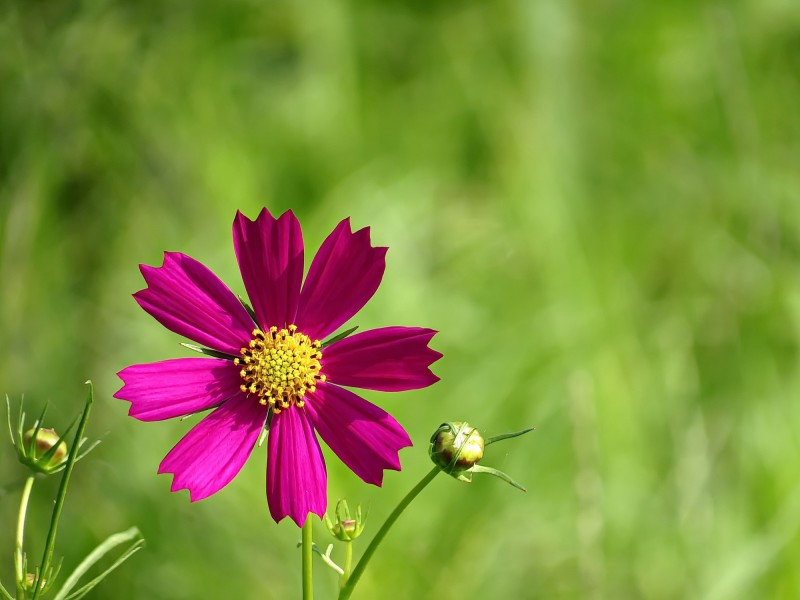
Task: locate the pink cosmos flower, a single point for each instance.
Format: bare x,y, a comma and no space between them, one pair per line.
277,365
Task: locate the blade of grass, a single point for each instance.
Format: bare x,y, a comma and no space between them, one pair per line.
104,548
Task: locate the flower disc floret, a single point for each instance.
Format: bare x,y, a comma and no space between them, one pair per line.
280,366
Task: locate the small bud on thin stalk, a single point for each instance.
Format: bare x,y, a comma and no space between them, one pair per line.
345,527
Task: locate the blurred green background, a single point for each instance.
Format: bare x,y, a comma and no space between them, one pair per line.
596,203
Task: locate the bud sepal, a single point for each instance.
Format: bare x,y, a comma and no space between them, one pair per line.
39,448
345,527
44,448
456,448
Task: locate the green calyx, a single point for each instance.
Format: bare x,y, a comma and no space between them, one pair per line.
456,448
39,448
44,447
343,526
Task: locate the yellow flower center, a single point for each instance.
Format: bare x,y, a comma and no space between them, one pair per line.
280,367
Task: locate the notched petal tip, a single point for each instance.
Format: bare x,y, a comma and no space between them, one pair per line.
177,387
344,274
175,486
189,299
264,213
213,452
389,359
269,252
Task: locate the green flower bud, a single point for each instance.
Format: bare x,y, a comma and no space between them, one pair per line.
47,451
456,447
344,527
41,449
30,582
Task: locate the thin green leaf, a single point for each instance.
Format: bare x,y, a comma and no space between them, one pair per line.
8,412
4,592
249,310
91,447
20,445
80,456
54,448
325,556
52,575
270,415
496,473
30,450
207,351
20,424
93,583
506,436
339,336
104,548
38,423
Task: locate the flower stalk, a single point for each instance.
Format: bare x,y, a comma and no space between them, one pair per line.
455,448
308,555
348,564
19,554
348,587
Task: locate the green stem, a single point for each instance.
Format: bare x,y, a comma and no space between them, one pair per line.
49,547
18,551
376,541
308,554
348,563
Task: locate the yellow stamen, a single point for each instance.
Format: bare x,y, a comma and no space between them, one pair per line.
280,367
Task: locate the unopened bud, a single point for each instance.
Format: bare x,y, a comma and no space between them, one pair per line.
30,582
456,446
44,451
344,527
46,439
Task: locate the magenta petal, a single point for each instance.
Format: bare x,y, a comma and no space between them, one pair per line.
343,276
177,387
270,255
365,437
296,477
214,451
187,298
390,359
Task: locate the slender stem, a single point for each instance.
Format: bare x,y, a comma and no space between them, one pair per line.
348,563
18,551
373,545
49,547
308,554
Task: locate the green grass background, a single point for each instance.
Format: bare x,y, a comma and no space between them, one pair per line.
596,203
